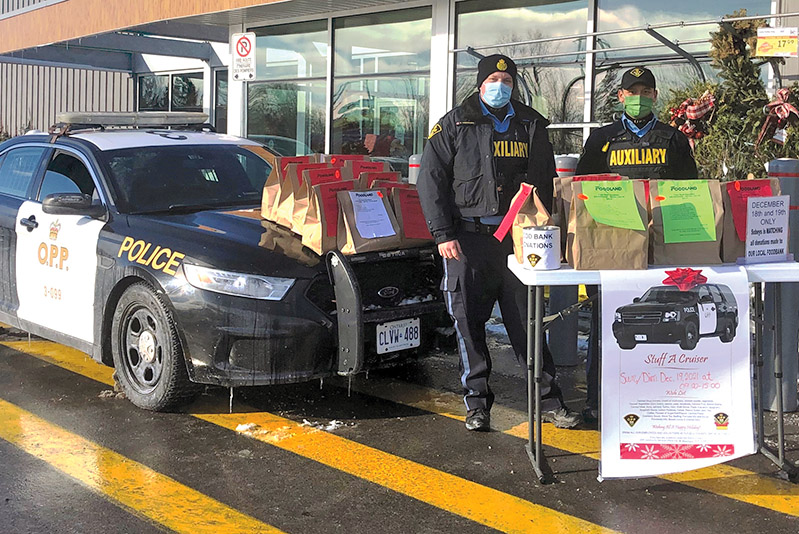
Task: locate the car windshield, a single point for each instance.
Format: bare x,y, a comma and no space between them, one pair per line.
186,178
665,295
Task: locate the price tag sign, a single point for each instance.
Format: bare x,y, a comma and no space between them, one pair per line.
778,42
242,49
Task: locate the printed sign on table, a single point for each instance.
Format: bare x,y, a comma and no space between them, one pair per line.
767,229
687,211
612,203
676,392
371,217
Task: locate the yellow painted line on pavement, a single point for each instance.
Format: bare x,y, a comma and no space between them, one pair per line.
131,484
723,479
484,505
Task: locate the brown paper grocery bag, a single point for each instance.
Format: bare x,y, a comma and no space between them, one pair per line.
383,184
410,218
275,180
287,243
310,178
369,177
338,160
565,201
355,168
321,220
366,222
283,214
733,196
692,248
526,210
592,245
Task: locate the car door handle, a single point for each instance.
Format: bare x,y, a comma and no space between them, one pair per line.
29,223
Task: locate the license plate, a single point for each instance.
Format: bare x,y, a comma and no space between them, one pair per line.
398,335
640,337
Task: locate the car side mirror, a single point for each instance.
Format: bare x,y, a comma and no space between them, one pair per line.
636,299
705,298
72,204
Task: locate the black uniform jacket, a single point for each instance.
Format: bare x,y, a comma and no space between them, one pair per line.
663,152
458,176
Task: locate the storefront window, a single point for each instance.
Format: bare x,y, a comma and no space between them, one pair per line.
288,117
382,85
620,14
154,93
552,85
187,92
291,51
383,117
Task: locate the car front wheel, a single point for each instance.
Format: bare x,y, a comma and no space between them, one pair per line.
147,354
690,337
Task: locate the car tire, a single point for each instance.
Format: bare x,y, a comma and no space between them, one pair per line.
690,337
148,358
727,332
626,344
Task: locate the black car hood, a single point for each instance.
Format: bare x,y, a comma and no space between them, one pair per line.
232,239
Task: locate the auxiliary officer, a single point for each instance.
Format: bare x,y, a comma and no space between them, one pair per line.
637,146
476,157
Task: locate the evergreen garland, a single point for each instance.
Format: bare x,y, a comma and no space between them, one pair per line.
728,152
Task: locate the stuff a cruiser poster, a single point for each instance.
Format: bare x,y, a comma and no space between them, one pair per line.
676,388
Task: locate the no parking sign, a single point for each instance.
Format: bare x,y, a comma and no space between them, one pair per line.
242,47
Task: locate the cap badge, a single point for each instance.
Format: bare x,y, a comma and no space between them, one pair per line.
637,72
502,65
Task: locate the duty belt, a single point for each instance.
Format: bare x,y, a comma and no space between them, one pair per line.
477,227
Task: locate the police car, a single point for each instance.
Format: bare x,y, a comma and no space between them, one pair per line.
143,246
665,314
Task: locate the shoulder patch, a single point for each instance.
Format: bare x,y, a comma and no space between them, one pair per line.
436,129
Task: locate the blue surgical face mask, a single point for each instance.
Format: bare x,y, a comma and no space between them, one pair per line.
496,94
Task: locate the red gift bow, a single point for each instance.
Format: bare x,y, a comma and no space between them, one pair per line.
781,107
685,278
690,110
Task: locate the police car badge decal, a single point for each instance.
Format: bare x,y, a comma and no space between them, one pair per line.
722,420
631,419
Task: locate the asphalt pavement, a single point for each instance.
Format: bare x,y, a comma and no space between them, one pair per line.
384,453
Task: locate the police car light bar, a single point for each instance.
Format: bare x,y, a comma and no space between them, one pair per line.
144,118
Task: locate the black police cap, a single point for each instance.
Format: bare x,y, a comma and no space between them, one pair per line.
638,75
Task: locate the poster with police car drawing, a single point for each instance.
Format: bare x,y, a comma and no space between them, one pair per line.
676,389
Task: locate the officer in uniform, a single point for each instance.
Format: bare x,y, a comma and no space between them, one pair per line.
475,159
637,146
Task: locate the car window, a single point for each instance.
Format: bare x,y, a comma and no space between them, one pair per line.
728,296
715,292
162,178
17,170
703,292
66,174
665,295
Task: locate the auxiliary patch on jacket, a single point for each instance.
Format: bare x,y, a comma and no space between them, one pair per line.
637,156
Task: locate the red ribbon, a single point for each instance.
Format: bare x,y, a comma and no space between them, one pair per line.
507,222
781,107
685,278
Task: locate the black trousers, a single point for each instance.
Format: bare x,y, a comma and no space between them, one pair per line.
471,287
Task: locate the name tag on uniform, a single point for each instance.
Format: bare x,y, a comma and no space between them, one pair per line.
624,157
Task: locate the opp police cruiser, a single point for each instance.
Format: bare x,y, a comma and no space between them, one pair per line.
637,145
144,247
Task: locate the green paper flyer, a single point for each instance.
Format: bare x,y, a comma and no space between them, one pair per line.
687,211
612,203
